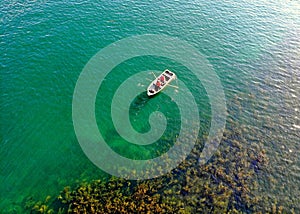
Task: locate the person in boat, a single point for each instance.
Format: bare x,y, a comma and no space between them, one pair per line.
162,79
158,84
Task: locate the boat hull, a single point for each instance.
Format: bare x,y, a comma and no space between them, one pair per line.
160,82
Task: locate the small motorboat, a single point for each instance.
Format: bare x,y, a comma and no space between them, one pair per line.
160,82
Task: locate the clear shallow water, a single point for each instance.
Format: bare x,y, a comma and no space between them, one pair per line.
253,47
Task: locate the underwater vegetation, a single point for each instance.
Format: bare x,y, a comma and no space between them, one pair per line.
228,183
40,206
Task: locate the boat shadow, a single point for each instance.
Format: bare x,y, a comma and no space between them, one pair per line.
140,101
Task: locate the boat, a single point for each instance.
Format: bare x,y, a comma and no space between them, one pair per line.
160,82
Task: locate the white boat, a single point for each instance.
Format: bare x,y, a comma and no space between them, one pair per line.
160,82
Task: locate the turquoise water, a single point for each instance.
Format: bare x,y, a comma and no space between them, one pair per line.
253,46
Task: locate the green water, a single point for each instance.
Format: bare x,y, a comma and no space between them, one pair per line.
253,46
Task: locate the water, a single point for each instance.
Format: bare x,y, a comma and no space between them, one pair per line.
253,47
